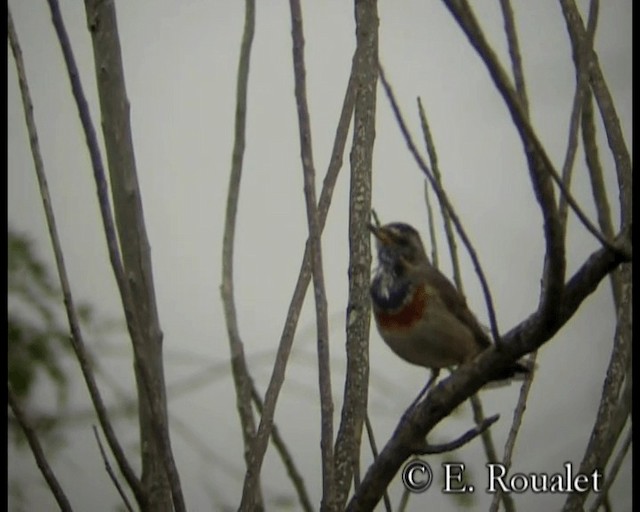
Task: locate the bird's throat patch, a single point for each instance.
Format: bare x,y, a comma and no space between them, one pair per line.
410,312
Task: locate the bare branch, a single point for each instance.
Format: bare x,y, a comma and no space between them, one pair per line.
514,52
614,406
112,475
348,440
613,472
36,448
476,404
468,436
133,274
304,277
442,197
488,444
241,378
468,378
322,323
77,339
607,108
518,414
374,452
287,460
581,61
540,167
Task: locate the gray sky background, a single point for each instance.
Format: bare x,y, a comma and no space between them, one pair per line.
180,65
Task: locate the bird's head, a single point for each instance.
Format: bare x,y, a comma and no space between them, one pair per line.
399,247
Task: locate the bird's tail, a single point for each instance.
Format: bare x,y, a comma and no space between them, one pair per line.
518,371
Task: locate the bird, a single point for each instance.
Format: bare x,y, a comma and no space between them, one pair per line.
419,313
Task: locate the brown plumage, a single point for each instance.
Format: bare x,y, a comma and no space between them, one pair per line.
419,313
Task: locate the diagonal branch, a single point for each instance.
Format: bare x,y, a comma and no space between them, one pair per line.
444,201
468,436
304,278
540,166
38,452
77,339
467,379
476,403
110,472
610,119
285,455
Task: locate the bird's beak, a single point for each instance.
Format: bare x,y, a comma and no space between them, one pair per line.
380,234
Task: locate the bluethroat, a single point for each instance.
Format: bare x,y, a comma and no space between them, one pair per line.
419,313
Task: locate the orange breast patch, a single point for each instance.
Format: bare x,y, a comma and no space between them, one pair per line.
407,315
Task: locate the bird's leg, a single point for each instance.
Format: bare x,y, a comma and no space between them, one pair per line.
434,375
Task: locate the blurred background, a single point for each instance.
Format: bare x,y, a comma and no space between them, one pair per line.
180,62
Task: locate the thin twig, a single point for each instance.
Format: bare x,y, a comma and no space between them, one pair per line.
240,371
112,475
285,455
36,449
446,218
610,119
299,292
374,452
581,61
541,166
77,339
432,226
514,52
469,435
476,404
518,414
613,472
322,323
442,197
599,190
488,444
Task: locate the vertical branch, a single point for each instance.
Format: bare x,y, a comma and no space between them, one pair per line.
581,61
608,112
598,188
614,406
77,339
514,52
518,76
510,444
476,403
38,452
347,447
297,299
322,323
240,371
157,455
159,472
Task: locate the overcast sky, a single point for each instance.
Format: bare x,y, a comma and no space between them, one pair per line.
180,63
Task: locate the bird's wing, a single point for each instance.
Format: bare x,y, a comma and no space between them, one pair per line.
456,303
